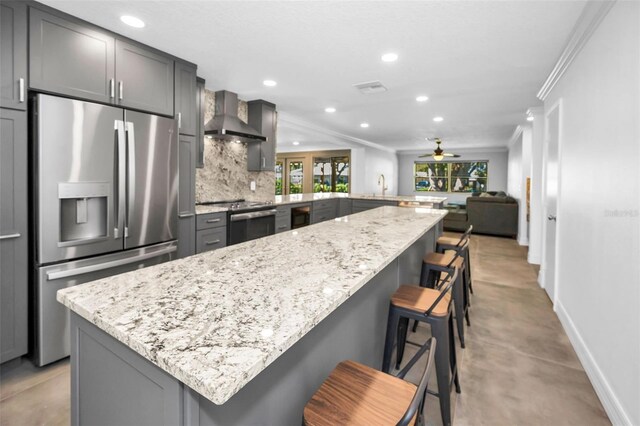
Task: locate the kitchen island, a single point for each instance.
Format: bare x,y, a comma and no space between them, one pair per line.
244,334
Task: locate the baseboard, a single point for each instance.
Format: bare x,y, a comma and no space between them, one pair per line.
609,401
533,259
541,276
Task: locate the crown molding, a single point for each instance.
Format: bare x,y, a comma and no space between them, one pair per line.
535,111
514,137
592,14
296,123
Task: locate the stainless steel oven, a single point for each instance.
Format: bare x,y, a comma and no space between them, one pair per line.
245,226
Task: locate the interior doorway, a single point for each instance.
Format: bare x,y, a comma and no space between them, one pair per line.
551,186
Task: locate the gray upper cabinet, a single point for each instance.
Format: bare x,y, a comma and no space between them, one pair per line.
186,98
14,270
262,155
200,108
144,79
13,55
186,196
70,58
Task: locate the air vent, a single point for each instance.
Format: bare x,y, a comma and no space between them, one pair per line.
370,87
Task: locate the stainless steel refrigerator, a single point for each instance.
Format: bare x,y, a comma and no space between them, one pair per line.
106,190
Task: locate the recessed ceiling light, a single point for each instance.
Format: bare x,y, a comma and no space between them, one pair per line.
296,143
329,109
269,83
132,21
438,119
422,98
389,57
530,118
364,125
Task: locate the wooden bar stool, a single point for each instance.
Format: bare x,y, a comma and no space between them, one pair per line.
433,265
432,306
451,243
355,394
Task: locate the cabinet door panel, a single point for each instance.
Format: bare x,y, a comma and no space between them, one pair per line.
13,233
185,98
186,195
69,58
145,79
13,55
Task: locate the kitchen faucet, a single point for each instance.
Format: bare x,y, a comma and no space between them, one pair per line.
384,185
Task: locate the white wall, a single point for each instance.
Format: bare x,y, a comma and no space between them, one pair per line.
535,223
497,171
518,170
598,227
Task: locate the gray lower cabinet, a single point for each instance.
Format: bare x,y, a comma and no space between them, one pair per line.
144,79
14,272
70,58
283,219
13,55
324,210
186,98
186,195
261,156
118,386
362,205
344,207
211,231
200,107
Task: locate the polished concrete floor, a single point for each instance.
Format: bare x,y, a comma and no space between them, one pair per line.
518,366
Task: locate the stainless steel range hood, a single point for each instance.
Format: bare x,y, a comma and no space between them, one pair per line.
226,125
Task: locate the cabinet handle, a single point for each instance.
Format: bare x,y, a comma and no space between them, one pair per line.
21,90
120,89
209,243
10,236
112,89
213,220
264,162
179,120
282,227
185,215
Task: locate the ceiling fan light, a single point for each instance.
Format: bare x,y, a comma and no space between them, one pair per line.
438,157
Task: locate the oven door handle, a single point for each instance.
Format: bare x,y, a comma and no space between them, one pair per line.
252,215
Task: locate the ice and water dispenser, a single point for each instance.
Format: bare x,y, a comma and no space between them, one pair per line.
84,212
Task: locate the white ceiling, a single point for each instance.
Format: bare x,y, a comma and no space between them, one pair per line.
481,63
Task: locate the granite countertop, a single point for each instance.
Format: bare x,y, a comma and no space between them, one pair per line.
309,197
216,320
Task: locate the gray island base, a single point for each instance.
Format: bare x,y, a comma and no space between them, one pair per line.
112,384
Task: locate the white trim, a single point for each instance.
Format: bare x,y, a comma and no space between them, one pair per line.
295,123
592,15
533,259
514,137
607,396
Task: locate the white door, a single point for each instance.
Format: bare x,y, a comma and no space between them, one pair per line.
551,186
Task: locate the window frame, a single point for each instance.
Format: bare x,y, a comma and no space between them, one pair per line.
448,176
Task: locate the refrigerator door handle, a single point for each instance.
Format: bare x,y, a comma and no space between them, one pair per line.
121,176
131,161
107,265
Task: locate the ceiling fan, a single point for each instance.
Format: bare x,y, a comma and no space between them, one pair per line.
438,153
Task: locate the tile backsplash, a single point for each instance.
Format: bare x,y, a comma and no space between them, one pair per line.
225,175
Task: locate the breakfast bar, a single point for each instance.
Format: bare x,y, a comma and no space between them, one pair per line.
244,334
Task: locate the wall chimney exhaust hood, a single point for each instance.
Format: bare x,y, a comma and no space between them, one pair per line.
226,125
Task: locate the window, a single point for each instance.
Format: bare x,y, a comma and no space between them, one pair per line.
331,174
467,176
295,176
279,176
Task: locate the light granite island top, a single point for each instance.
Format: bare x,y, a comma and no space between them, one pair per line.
216,320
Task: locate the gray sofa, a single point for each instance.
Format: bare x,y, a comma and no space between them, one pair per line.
491,213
